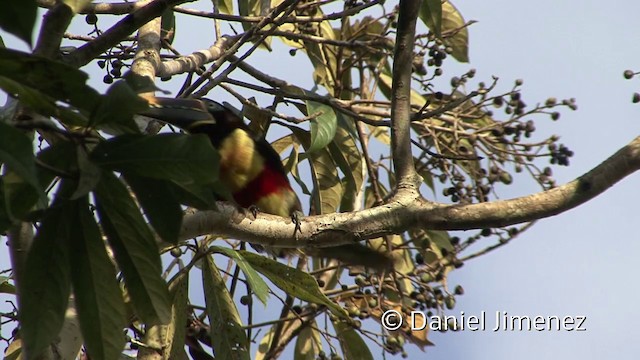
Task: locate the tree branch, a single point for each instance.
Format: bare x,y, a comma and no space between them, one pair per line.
406,211
125,27
400,97
55,22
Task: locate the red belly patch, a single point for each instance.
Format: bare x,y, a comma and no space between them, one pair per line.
269,181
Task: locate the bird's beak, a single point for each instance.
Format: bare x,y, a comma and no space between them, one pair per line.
183,113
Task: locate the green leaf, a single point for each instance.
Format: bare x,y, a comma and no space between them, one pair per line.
385,87
176,330
77,5
19,197
14,350
183,159
134,248
292,281
441,239
259,120
55,79
168,29
347,156
431,15
5,286
353,347
160,205
117,108
5,219
264,344
452,20
89,174
227,336
45,284
16,152
59,157
323,126
258,286
243,10
34,99
199,196
18,17
323,56
224,6
308,343
98,298
327,182
324,172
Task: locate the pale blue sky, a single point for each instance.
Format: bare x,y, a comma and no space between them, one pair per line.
580,263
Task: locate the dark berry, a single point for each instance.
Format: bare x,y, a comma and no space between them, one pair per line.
91,19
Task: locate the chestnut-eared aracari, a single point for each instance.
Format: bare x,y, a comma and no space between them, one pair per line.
250,168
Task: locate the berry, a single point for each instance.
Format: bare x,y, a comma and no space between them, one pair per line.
91,19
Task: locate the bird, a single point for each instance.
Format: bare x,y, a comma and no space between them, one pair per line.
251,169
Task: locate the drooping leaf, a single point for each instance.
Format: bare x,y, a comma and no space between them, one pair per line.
347,156
258,285
16,152
259,120
98,298
117,108
160,205
323,126
292,281
243,10
20,197
324,172
34,99
441,238
5,219
183,159
431,15
291,41
308,343
227,336
385,87
176,330
55,79
42,103
134,248
264,344
89,174
452,20
224,6
327,183
45,285
5,286
168,27
77,5
323,57
353,347
18,18
14,350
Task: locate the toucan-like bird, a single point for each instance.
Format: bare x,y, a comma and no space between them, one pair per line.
249,167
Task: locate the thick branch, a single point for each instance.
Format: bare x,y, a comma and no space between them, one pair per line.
119,31
400,96
197,59
55,22
406,211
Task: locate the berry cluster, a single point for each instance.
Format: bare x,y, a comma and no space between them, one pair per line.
560,154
